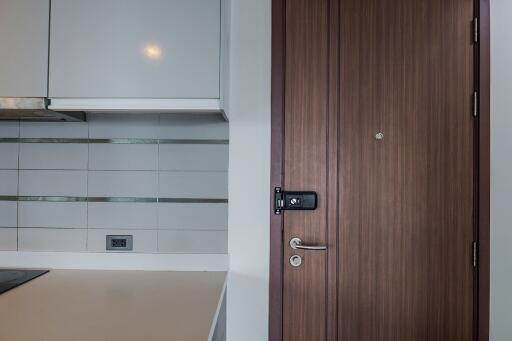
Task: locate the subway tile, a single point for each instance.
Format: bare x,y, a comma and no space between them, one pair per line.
108,215
213,185
53,214
144,241
8,182
123,126
123,157
8,214
8,239
9,129
212,242
194,157
123,184
53,183
53,156
116,170
54,130
41,239
186,126
9,155
203,216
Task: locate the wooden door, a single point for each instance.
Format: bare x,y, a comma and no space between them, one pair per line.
378,120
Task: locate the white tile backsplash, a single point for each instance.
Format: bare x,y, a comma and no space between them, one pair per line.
110,215
9,155
52,214
54,130
53,183
185,126
53,156
8,182
193,241
194,157
123,157
8,239
61,240
144,241
107,126
209,185
123,184
203,216
9,129
8,214
38,170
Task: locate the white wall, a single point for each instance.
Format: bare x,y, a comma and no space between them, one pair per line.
249,170
501,170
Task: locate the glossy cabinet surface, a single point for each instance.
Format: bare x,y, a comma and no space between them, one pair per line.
135,49
24,48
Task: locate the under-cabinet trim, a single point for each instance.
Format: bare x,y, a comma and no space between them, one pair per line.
199,105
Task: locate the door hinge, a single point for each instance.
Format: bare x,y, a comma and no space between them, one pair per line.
293,200
475,104
476,30
475,254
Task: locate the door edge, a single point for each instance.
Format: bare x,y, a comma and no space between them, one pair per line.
483,171
275,322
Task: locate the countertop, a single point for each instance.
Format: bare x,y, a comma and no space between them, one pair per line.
76,305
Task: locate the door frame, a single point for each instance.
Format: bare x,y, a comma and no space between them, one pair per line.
482,168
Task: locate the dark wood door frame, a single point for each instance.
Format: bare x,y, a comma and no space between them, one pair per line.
483,84
482,168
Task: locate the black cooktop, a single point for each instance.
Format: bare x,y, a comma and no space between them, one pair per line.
11,278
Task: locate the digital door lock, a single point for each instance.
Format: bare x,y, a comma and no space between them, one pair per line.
297,200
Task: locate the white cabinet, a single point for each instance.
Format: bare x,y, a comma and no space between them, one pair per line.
24,48
135,49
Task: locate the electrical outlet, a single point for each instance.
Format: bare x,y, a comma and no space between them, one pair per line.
119,243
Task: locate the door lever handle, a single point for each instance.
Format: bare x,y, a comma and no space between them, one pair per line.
296,244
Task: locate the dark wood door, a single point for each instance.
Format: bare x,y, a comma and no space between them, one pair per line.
379,121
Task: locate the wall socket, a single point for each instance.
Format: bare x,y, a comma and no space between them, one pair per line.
119,243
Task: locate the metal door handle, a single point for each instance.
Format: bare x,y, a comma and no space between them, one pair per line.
296,244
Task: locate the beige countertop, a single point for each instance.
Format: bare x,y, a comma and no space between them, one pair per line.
76,305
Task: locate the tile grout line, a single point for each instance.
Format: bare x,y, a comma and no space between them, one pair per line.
158,185
57,198
121,170
175,229
87,187
54,140
18,192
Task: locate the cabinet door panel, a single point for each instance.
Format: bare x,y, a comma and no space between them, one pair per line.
135,48
24,48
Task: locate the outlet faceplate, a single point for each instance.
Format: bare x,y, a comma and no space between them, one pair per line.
119,243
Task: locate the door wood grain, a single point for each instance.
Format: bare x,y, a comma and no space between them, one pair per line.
406,207
373,110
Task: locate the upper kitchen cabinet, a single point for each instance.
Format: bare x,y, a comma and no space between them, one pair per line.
24,48
126,49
